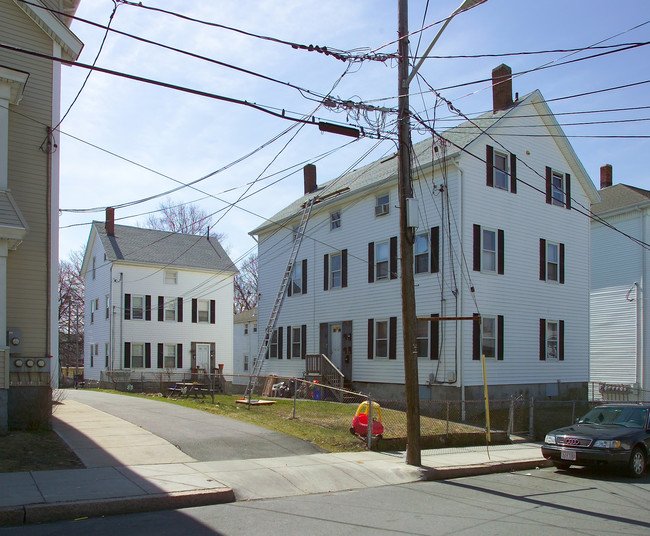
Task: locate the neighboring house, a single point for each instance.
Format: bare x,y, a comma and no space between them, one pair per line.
245,345
156,303
620,267
29,204
494,237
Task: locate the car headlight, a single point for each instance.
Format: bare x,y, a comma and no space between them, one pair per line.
549,439
608,444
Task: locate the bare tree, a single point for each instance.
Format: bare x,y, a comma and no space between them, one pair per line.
71,309
187,218
246,285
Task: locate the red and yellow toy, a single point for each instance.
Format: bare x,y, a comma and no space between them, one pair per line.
360,421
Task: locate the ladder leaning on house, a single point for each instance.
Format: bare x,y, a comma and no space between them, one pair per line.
258,363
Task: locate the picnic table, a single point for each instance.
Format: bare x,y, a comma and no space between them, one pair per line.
187,389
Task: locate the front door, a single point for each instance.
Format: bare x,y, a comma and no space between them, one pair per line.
203,357
335,345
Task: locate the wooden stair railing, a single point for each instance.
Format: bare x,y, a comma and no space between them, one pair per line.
318,365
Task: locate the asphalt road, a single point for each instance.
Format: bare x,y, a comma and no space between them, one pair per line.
539,502
202,436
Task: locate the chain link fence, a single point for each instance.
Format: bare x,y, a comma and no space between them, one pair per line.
443,423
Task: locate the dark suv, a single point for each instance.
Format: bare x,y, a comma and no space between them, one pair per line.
610,434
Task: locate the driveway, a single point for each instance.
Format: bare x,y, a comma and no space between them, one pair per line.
198,434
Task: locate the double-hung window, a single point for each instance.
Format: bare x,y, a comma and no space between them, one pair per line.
108,306
94,270
551,339
204,311
137,307
273,345
421,252
170,309
335,220
335,271
382,256
171,277
551,261
170,356
488,250
557,188
381,338
296,342
93,310
245,363
489,336
245,329
382,205
501,171
422,338
137,355
296,279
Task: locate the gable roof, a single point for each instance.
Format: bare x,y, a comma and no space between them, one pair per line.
161,248
457,139
58,31
619,197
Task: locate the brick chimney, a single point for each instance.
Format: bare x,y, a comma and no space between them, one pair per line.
310,178
501,87
110,221
605,176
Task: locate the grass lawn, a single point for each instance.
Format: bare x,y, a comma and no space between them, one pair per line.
326,424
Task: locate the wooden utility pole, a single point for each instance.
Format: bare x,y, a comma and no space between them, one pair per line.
405,188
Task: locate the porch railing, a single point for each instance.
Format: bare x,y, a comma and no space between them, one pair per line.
318,366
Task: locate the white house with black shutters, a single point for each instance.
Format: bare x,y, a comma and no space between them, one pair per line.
497,236
156,302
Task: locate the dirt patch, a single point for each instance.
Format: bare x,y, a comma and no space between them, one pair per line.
35,451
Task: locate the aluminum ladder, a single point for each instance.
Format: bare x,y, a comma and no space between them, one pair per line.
258,363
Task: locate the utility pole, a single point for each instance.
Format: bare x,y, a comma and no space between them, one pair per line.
405,188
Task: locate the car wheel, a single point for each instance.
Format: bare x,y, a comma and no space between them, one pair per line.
562,465
636,467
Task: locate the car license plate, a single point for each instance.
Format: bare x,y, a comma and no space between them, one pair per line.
569,455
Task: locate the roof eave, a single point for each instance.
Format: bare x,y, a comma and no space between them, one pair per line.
70,44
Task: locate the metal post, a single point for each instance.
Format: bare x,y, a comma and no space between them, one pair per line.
369,431
295,395
511,416
531,423
573,412
447,432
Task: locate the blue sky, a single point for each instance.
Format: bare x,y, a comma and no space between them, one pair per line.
184,137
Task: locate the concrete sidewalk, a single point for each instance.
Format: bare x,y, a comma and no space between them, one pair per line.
131,470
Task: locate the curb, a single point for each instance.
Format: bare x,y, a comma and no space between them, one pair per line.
44,513
483,469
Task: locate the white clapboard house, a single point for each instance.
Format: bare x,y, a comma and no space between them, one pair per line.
156,302
620,366
498,235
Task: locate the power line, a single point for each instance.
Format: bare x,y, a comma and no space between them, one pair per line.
231,100
328,51
530,53
180,51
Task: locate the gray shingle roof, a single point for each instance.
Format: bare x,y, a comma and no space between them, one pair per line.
620,196
385,169
164,248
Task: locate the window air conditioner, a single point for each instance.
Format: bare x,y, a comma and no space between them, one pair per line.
381,209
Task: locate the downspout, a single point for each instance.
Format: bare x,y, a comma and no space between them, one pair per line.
459,333
121,318
110,319
641,354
